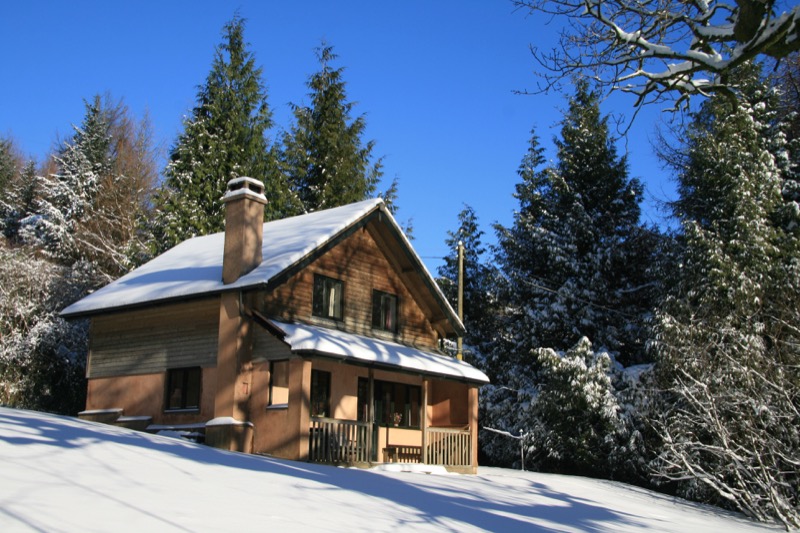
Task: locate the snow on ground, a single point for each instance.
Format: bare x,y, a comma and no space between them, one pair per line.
63,474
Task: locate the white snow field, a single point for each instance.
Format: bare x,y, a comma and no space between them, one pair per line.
62,474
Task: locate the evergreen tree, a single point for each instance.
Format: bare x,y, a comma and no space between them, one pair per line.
323,154
20,202
576,410
93,203
68,195
727,335
10,165
575,264
576,257
788,85
224,138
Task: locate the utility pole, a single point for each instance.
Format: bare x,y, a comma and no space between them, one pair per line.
460,341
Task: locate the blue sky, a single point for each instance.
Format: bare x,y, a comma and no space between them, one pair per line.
436,80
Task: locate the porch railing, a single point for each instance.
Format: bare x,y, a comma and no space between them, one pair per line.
338,441
449,447
347,441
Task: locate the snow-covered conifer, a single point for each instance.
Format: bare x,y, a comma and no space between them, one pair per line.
323,155
576,257
726,337
223,138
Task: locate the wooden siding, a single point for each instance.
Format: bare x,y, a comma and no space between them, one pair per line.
266,347
359,262
143,395
151,340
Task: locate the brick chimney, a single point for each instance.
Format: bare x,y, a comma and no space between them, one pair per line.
244,219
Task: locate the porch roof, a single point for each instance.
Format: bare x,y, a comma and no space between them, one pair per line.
305,338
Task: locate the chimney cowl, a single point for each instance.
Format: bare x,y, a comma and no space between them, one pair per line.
245,186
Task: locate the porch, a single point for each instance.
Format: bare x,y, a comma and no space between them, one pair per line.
354,443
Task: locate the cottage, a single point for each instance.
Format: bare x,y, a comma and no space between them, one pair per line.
310,338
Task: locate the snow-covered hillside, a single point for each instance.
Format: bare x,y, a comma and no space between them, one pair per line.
62,474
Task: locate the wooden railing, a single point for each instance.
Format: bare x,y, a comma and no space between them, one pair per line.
338,441
448,447
346,441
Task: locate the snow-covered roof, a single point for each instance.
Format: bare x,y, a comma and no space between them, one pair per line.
367,350
194,267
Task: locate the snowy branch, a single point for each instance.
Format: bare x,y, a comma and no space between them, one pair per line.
663,49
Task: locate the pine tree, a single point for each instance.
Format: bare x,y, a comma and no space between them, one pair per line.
92,204
575,264
68,195
788,85
10,165
323,154
576,410
224,138
20,202
726,337
576,257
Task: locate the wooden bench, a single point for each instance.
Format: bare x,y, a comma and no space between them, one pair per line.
402,454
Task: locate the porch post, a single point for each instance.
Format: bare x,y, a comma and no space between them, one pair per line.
371,414
298,412
473,427
424,420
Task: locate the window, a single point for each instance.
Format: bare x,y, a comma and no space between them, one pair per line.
183,388
278,383
384,311
328,297
320,393
395,403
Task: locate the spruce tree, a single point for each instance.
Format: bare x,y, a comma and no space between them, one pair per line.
10,165
575,273
323,155
576,257
68,195
727,335
92,204
20,201
224,138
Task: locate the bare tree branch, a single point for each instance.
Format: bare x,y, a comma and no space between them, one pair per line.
662,50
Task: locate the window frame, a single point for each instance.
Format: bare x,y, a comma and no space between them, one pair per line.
320,298
188,389
320,384
277,366
378,310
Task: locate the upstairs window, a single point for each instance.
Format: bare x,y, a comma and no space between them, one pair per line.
384,311
328,298
183,388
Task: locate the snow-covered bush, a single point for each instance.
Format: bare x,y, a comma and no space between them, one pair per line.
42,356
576,411
580,411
